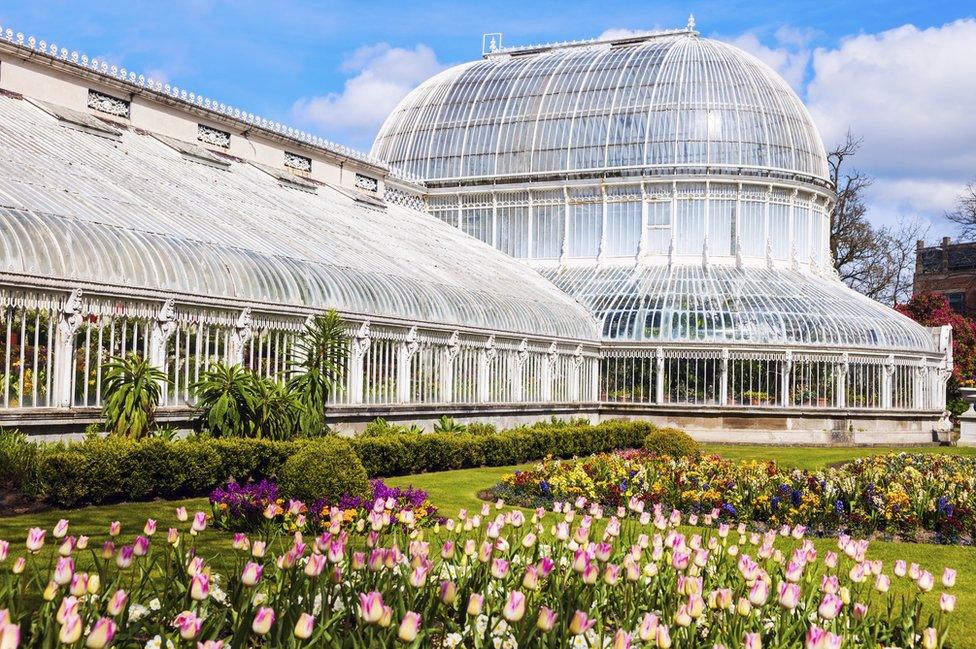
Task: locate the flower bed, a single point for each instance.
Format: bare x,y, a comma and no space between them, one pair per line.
257,507
929,497
499,578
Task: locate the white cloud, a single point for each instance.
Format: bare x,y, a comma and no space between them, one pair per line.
790,56
383,75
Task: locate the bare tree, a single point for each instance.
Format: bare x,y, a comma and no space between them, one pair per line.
964,214
877,262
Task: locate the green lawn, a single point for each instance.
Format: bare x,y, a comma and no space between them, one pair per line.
452,490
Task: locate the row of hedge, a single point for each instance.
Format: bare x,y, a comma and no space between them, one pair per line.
112,469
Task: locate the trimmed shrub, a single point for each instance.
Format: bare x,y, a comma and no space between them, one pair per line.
323,470
18,460
672,442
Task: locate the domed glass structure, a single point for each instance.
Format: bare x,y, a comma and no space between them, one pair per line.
677,187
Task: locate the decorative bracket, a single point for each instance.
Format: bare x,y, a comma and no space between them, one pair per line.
412,343
453,346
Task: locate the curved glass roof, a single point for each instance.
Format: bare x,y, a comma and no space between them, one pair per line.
724,304
80,207
666,101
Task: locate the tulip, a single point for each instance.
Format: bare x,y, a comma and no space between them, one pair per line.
108,549
371,607
68,607
947,602
35,540
409,627
64,569
900,568
101,634
547,619
173,536
753,641
71,629
116,604
114,528
663,637
263,620
9,635
830,606
860,610
140,547
818,638
60,529
79,584
199,522
681,616
125,557
315,565
882,583
4,550
743,607
759,593
475,604
50,591
181,514
386,618
647,629
304,626
926,581
514,608
251,574
20,563
930,638
188,624
499,568
580,623
789,595
257,549
948,577
448,592
200,587
621,640
150,527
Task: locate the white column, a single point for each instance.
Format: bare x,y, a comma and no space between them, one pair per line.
576,378
785,376
594,380
405,353
360,345
446,369
69,320
887,372
840,395
547,373
659,369
163,327
485,358
241,334
920,377
723,390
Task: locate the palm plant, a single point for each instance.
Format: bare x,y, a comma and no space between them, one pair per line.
132,388
447,425
319,368
274,409
224,395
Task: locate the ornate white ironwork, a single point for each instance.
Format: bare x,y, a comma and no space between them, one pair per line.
108,104
367,183
213,136
298,162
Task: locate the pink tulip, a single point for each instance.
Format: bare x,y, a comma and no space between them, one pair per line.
901,568
9,635
150,527
448,592
35,539
4,550
621,640
789,595
475,604
116,604
79,584
172,536
200,586
257,549
371,607
514,608
101,633
263,620
181,514
948,577
860,610
547,619
947,602
818,638
71,629
251,574
60,529
882,583
580,623
663,637
315,565
759,593
409,627
140,547
125,557
64,569
926,581
304,626
830,606
930,638
499,568
199,522
647,630
114,528
68,607
753,641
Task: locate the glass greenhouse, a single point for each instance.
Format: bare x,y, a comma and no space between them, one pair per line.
631,227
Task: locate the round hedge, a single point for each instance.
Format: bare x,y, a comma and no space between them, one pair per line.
671,442
325,469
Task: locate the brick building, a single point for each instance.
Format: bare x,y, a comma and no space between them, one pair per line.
950,269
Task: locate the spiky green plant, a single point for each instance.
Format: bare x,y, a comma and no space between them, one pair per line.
225,394
319,368
274,409
447,425
132,389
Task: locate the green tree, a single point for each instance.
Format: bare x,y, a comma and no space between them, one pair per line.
319,368
132,388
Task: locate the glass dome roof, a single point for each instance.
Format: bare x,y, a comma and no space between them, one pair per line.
724,304
662,102
80,208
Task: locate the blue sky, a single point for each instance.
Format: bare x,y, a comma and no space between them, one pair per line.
902,74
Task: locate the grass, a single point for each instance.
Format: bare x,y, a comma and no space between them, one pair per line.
453,490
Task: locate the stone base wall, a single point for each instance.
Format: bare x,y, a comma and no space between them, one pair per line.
716,425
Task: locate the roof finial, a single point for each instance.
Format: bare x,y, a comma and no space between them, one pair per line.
691,22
